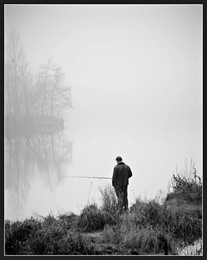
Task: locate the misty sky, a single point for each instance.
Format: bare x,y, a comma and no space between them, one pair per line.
136,75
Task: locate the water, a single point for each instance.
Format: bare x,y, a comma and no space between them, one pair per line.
195,249
37,166
37,169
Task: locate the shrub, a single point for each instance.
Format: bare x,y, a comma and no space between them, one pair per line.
49,237
91,218
138,205
68,220
186,189
153,213
18,233
46,240
48,220
150,212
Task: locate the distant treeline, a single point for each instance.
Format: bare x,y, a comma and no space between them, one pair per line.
28,93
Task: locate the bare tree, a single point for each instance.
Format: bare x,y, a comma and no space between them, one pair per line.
44,93
53,93
17,76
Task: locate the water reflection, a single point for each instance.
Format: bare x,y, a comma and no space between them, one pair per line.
42,155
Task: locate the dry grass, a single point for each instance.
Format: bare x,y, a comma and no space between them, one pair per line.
149,227
154,227
49,236
109,200
92,218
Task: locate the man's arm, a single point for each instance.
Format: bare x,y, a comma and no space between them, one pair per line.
129,173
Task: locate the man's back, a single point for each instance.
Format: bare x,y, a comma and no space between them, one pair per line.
121,174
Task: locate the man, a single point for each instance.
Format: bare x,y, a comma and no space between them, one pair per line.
121,174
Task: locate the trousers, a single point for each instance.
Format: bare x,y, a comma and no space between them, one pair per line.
122,196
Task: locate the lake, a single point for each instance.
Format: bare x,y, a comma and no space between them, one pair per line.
36,170
38,167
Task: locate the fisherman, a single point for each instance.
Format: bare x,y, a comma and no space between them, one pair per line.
121,174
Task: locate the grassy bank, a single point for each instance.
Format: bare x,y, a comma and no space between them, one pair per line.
147,228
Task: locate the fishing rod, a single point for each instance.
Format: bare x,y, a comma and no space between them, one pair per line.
88,177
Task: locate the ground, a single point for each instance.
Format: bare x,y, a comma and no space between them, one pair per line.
104,248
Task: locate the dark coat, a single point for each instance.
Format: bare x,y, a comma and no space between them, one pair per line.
121,174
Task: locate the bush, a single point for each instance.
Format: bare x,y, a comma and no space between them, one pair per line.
145,213
18,233
46,240
47,237
68,220
91,218
186,189
48,221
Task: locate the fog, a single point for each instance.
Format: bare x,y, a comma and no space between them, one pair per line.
135,73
